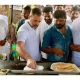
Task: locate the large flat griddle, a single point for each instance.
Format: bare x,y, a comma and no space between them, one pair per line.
16,68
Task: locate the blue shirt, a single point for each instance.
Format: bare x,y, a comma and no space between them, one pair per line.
53,38
21,22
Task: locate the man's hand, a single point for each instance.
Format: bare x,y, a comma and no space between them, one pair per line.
25,55
72,46
58,52
31,63
75,47
2,42
54,51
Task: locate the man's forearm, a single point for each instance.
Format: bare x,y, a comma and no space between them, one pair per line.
22,52
75,47
56,51
49,50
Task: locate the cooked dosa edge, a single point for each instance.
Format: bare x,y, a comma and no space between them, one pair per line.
64,67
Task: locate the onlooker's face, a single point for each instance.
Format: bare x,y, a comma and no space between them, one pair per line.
59,8
48,17
75,14
60,23
35,20
68,9
26,14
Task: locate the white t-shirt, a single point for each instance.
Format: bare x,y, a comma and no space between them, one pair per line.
76,40
29,36
43,26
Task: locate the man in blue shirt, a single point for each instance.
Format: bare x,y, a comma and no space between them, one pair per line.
57,39
26,13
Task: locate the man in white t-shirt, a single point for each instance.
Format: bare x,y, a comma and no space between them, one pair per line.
45,24
76,41
68,9
28,40
25,16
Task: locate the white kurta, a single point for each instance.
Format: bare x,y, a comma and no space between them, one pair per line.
40,30
76,40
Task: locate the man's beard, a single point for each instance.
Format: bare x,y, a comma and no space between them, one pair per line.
60,26
48,21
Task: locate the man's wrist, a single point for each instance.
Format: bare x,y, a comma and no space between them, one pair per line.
28,57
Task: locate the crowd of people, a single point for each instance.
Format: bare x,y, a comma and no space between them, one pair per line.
50,33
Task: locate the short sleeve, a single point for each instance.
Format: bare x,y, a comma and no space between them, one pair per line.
46,39
22,36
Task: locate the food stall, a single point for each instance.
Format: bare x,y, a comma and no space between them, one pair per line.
16,67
